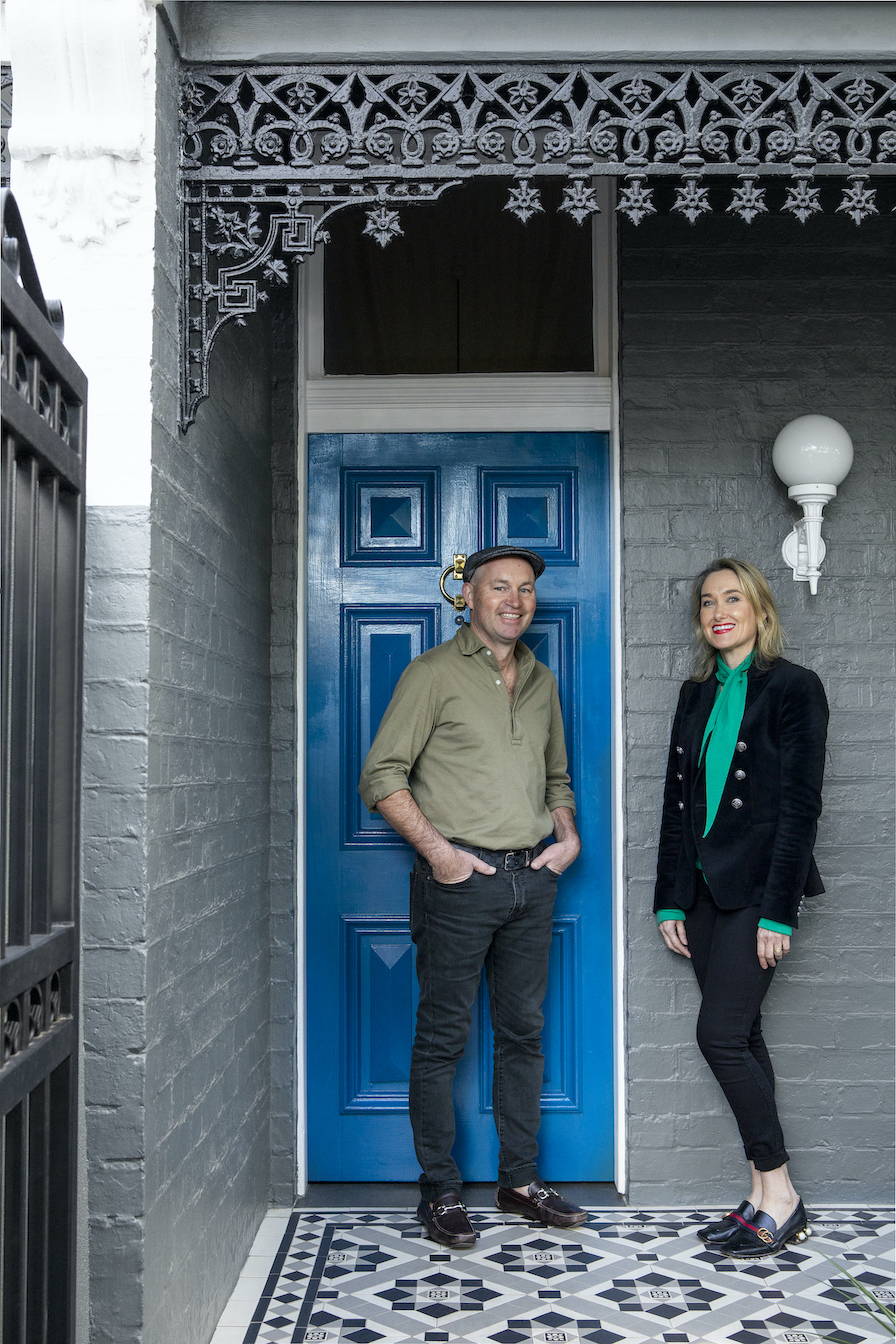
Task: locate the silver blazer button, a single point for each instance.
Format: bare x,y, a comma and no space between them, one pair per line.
680,750
681,807
741,746
737,802
740,774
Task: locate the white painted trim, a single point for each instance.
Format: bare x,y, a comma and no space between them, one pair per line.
570,401
620,1061
300,322
575,401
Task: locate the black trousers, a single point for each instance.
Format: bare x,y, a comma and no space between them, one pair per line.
722,944
502,921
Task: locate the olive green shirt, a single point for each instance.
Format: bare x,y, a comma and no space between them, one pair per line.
480,766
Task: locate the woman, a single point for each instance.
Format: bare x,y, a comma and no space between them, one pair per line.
741,803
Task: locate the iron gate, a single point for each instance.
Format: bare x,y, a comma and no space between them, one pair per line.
44,402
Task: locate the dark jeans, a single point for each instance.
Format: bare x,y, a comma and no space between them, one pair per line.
503,922
729,1029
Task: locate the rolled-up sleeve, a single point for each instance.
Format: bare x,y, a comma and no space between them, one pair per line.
402,735
557,792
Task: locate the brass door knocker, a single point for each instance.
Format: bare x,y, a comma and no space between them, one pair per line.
454,571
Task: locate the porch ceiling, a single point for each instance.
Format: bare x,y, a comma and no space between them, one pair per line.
571,30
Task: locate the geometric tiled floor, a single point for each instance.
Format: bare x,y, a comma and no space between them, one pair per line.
343,1276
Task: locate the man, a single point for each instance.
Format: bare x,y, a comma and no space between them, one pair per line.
469,766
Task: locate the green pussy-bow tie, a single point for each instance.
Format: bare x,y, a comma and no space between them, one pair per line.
722,728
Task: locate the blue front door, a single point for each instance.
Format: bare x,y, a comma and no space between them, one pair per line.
387,512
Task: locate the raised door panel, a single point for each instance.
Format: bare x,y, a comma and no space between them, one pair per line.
379,1003
378,642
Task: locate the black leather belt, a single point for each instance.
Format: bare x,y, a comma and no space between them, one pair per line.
508,859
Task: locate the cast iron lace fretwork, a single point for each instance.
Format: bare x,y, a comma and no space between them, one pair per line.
269,153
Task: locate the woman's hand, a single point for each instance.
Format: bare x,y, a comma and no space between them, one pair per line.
674,936
771,947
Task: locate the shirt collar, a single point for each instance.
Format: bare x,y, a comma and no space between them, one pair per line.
469,643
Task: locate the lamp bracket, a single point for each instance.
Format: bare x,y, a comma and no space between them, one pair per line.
795,550
803,548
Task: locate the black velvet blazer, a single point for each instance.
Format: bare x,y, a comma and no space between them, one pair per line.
759,848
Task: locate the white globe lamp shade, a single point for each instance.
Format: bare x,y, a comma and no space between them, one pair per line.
813,449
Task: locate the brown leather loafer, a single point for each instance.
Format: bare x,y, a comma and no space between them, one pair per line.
541,1204
445,1221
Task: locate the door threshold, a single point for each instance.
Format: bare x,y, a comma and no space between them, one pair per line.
400,1195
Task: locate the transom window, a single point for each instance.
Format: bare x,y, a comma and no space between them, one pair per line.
465,289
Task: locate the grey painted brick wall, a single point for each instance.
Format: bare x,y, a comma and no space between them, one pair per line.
208,808
208,937
727,333
113,911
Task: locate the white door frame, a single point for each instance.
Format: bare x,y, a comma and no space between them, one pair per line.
508,402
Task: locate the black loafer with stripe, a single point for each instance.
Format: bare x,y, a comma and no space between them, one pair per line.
716,1234
762,1236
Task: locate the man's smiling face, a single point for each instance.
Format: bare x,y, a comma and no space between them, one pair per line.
501,599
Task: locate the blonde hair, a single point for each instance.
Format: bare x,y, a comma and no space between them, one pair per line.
754,586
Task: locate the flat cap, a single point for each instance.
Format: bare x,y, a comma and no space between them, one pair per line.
498,553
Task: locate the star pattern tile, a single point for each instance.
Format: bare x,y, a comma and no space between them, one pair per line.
625,1277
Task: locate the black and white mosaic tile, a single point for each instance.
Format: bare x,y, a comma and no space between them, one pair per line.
626,1277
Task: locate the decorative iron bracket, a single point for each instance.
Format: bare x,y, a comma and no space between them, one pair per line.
269,153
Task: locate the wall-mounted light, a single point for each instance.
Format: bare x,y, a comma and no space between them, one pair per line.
812,455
